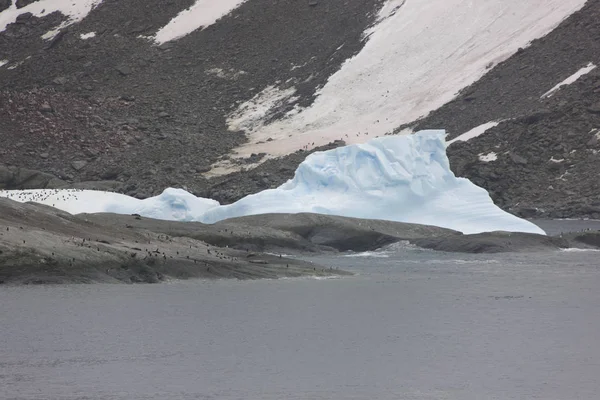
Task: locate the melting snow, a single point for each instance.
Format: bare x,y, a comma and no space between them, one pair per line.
3,62
74,10
418,56
250,115
572,79
88,35
202,14
473,133
488,157
398,178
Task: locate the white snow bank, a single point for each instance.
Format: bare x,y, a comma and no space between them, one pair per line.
416,59
74,10
473,133
572,79
398,178
202,14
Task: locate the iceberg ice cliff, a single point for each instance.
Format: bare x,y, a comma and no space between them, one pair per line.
397,178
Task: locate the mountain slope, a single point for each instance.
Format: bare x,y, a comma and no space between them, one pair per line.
158,112
102,102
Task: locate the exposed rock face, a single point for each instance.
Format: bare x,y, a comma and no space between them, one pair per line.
23,178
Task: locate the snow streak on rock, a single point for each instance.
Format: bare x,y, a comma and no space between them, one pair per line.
473,133
251,115
571,79
419,55
202,14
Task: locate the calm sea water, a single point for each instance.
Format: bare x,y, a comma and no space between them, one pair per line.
411,324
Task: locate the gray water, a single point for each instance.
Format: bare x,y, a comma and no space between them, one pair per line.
411,324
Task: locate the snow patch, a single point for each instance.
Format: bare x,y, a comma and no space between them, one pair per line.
488,157
251,115
74,10
89,35
556,160
3,62
572,79
473,133
416,58
398,178
202,14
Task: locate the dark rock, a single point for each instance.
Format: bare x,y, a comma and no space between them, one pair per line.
594,108
22,178
493,242
105,186
111,173
21,18
78,165
517,159
203,168
24,3
4,4
124,70
61,80
46,108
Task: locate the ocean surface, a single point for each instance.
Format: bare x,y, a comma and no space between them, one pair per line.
411,324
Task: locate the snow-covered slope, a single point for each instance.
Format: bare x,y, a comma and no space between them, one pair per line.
419,55
398,178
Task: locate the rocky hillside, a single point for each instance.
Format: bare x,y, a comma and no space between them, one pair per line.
118,107
117,111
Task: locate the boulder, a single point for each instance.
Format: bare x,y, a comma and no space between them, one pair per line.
24,3
78,165
22,178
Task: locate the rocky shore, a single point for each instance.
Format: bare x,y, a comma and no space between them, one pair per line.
42,245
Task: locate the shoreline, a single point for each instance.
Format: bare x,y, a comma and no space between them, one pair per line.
42,245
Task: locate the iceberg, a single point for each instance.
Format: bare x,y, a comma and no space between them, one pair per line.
396,178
